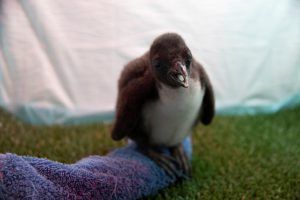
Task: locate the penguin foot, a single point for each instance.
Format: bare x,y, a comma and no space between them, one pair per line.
167,163
180,156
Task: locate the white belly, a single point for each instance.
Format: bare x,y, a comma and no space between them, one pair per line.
170,119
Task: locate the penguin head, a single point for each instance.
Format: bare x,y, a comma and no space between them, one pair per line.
171,60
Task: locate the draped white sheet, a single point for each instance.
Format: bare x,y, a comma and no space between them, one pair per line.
60,59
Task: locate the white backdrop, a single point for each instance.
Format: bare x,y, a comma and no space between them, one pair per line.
60,59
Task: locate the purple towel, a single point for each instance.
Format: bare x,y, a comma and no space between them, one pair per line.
122,174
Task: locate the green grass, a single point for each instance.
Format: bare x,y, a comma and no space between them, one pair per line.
250,157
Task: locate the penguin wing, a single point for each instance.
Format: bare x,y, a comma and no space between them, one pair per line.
136,87
207,110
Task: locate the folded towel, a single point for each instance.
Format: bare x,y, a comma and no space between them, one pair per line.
124,173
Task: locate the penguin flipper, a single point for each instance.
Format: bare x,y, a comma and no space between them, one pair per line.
207,110
136,87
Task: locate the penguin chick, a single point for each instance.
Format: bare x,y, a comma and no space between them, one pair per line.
161,97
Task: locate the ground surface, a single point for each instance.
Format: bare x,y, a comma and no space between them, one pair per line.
251,157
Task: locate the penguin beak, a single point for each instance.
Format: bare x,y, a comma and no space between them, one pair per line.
179,74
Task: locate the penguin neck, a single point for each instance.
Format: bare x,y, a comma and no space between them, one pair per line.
174,94
171,117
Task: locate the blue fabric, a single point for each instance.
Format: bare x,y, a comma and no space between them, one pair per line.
122,174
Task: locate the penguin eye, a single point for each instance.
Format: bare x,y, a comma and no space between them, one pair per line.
188,59
156,64
188,62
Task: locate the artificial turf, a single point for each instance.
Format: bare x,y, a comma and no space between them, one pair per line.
245,157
